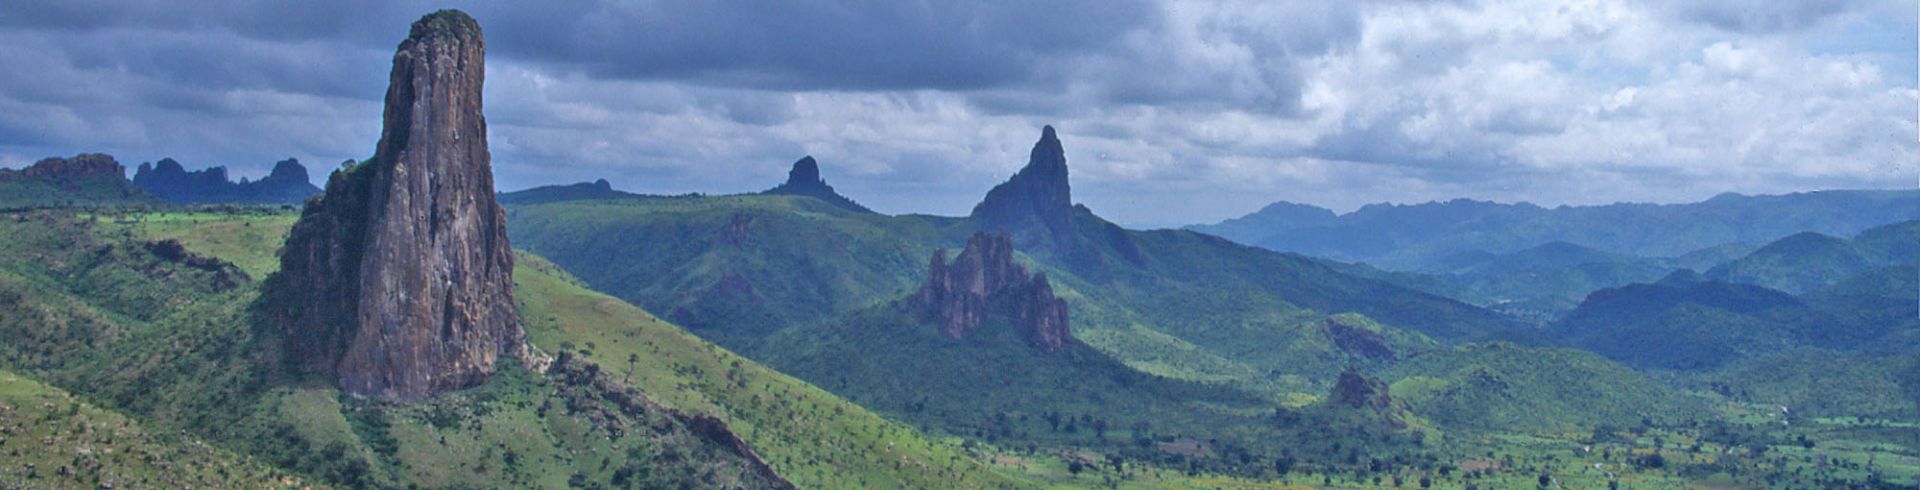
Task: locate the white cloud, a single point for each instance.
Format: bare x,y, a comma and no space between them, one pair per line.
1180,112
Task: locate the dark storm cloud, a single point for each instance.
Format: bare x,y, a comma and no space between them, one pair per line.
878,45
920,106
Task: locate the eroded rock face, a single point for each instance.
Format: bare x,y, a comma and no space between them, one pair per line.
1358,340
982,281
1357,390
804,180
397,282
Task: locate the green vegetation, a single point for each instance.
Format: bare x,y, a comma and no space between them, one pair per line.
50,438
1500,386
810,436
92,308
19,191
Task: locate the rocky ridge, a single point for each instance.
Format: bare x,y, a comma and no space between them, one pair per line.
288,183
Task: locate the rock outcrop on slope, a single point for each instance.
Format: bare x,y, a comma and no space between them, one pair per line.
1036,204
397,282
287,184
804,180
1364,398
983,281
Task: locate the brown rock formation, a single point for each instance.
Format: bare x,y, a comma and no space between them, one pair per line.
397,282
1356,389
1358,340
1366,398
984,280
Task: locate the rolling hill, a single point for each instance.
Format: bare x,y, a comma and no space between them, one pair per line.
88,179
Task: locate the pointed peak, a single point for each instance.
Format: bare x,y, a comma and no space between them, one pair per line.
805,172
1047,153
1037,201
804,180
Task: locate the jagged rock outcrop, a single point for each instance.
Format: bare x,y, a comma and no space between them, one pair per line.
1036,204
1357,339
1365,398
984,281
804,180
397,283
287,184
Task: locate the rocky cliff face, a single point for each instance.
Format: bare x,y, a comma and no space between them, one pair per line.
397,282
804,180
1036,204
984,281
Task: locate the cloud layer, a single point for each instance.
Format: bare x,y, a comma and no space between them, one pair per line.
1172,112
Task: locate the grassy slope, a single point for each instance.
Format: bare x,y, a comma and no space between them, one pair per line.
812,437
1502,386
251,243
18,191
806,261
325,415
52,439
503,434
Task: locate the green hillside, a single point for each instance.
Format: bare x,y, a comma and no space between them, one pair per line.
812,437
84,180
1686,322
738,268
53,439
165,337
1807,262
1505,387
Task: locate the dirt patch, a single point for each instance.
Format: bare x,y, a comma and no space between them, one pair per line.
1479,465
1186,447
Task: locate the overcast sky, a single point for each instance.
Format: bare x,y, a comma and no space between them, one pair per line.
1171,112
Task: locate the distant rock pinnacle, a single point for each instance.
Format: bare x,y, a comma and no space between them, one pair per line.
1036,204
804,180
397,282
